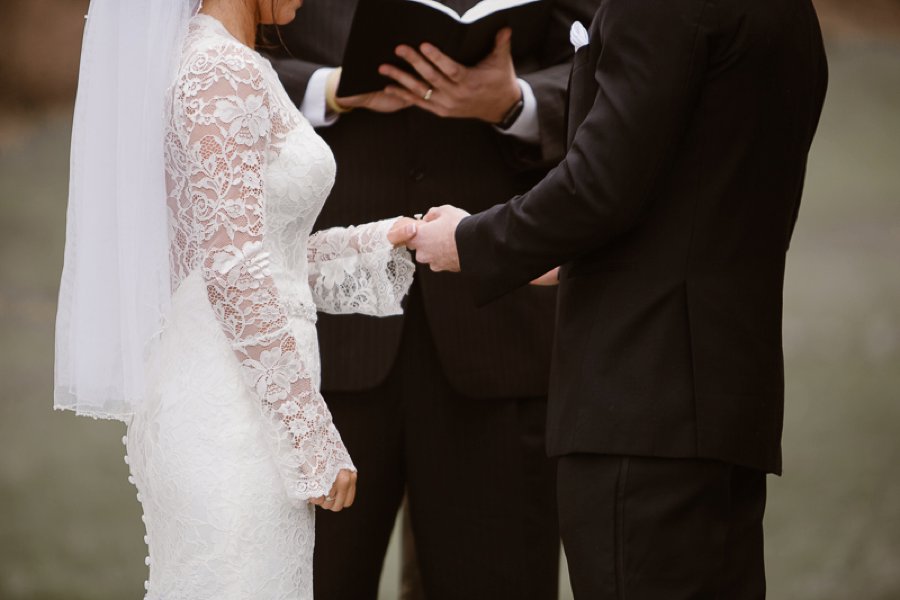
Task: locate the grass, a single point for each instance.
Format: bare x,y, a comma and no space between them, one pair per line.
70,526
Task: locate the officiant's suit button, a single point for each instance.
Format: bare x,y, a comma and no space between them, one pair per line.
416,175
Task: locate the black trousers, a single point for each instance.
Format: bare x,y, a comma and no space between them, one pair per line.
649,528
481,490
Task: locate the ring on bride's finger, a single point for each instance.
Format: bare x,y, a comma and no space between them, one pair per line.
329,499
428,95
417,216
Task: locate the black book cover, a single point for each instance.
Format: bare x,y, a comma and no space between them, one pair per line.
379,26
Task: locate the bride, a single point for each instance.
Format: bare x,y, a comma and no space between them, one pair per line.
190,289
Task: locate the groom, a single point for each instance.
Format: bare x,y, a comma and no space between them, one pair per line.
690,122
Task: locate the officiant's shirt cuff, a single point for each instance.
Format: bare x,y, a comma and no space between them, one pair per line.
313,106
526,128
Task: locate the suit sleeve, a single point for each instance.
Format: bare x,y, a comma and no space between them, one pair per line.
648,74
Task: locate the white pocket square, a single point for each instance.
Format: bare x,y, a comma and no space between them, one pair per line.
578,35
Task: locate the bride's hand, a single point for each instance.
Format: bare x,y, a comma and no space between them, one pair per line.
549,278
403,230
342,494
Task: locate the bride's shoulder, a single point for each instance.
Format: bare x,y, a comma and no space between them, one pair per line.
211,53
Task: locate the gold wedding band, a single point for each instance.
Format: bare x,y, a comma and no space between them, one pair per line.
428,95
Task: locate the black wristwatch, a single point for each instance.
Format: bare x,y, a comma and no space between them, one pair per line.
512,114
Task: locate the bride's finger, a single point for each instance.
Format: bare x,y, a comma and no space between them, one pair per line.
330,500
339,493
351,492
402,231
339,500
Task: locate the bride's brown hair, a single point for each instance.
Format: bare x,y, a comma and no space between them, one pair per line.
267,44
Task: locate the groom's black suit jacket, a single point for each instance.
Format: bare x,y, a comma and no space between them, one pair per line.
407,162
690,122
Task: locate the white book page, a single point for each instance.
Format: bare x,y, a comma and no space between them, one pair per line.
486,7
440,7
482,9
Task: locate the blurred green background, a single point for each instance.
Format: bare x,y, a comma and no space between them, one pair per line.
70,525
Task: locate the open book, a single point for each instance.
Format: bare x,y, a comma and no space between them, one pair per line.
379,26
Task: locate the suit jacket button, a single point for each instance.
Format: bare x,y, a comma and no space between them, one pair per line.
416,175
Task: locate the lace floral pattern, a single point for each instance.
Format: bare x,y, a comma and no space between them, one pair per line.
364,277
229,124
247,177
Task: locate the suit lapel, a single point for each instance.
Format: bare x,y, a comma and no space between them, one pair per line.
582,90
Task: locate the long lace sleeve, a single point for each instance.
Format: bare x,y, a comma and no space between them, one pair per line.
229,126
357,270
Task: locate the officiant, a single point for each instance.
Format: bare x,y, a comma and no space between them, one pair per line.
447,403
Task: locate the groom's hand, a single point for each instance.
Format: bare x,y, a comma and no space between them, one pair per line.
342,494
549,278
435,241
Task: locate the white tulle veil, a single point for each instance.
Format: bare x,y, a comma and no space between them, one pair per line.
115,285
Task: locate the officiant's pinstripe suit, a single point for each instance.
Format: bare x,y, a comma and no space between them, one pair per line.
449,400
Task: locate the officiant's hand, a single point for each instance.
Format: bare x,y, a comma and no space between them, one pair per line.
342,493
435,242
375,101
446,88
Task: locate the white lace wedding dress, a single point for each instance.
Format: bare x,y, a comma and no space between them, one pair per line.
235,436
